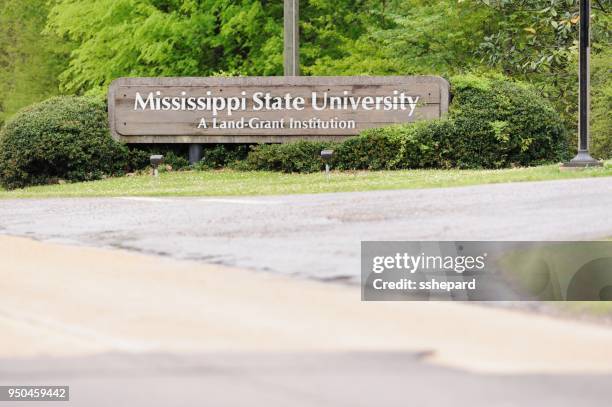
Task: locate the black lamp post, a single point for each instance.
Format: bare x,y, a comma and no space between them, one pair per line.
583,158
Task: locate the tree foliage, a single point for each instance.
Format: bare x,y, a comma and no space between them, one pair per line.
197,37
30,59
537,40
88,43
418,37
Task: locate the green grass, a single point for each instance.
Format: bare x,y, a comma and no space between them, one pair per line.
227,182
602,309
564,260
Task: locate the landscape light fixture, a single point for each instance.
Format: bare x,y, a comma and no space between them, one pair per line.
156,160
327,155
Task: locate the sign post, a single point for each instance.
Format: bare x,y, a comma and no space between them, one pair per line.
291,57
583,158
292,37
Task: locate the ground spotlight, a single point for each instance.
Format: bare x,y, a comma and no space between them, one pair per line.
327,155
156,160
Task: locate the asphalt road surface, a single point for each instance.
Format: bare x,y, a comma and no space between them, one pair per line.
296,380
317,235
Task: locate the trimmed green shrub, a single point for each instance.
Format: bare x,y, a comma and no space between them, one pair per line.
223,155
61,138
426,144
139,158
374,149
300,156
493,123
498,123
177,162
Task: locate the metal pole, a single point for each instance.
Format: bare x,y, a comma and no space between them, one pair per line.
583,158
584,73
292,38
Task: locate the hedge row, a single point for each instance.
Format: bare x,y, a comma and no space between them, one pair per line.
493,123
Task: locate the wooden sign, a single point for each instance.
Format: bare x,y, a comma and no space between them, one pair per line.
267,109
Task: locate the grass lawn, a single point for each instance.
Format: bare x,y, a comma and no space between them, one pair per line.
227,182
602,309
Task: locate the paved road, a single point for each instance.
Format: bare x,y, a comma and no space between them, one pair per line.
54,297
317,235
296,380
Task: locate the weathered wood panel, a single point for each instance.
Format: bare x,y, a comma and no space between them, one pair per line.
365,102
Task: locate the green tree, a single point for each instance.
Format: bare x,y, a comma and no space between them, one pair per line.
197,37
537,40
30,59
165,38
415,37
